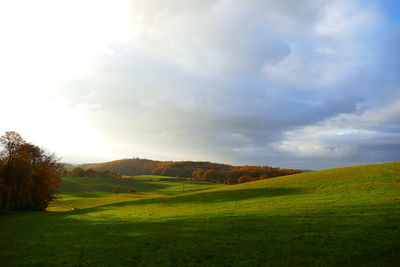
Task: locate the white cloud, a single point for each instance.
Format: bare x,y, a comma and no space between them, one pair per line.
345,134
343,19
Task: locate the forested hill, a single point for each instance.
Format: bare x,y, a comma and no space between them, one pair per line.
216,172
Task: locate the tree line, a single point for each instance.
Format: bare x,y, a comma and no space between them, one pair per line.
79,172
241,174
29,175
197,170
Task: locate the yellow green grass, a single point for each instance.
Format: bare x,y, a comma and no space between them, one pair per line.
153,178
339,217
86,192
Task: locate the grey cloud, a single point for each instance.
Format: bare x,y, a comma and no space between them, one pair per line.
193,82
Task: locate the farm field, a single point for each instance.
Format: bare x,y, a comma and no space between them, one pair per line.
338,217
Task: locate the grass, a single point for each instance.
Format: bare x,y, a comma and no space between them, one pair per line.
85,192
346,217
153,178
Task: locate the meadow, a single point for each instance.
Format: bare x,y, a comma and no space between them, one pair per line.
153,178
338,217
84,192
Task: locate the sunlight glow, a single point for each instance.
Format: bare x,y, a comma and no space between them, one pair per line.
43,44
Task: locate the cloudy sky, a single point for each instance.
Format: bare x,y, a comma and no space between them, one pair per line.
308,84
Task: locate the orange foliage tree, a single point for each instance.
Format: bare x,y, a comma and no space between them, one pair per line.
28,174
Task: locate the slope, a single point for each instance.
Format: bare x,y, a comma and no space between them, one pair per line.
347,217
86,192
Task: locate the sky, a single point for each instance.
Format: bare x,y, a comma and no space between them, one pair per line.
309,84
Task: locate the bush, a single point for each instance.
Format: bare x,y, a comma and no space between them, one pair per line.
116,189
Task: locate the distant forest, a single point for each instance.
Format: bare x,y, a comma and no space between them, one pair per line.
207,171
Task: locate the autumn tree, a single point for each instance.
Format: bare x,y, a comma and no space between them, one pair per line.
212,175
244,178
12,143
28,174
78,172
198,173
37,179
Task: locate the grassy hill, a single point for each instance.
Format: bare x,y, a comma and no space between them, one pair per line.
346,217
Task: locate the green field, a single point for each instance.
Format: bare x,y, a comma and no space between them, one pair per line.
85,192
153,178
339,217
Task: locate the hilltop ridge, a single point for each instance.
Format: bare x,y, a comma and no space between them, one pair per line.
198,170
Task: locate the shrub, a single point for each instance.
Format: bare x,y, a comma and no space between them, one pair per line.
116,189
131,190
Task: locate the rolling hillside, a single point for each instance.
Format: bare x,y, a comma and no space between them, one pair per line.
85,192
339,217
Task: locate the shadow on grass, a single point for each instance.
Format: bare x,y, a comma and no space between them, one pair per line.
58,239
235,195
84,194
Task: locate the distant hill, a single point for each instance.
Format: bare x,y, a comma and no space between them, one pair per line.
200,170
146,166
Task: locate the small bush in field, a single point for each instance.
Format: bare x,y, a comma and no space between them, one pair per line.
131,190
116,189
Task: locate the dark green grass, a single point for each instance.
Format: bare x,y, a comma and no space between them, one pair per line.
341,217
